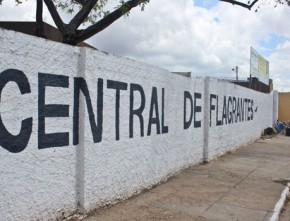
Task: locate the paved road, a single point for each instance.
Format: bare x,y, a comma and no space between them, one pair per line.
237,186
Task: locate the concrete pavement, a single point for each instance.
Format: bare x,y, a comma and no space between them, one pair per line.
236,186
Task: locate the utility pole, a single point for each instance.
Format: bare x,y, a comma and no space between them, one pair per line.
237,72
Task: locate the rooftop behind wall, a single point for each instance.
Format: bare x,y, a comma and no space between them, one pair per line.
254,84
29,28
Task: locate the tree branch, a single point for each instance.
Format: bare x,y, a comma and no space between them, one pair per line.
253,3
82,14
107,20
81,2
55,16
248,6
39,20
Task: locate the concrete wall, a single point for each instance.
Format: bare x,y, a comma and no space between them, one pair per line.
81,128
275,106
284,106
237,116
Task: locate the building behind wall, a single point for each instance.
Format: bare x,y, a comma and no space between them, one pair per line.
254,84
50,32
284,106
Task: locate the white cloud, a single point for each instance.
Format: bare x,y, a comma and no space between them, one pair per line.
23,12
281,66
179,36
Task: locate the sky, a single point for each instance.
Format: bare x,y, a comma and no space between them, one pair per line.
204,37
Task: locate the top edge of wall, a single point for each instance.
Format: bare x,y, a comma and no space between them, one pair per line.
87,49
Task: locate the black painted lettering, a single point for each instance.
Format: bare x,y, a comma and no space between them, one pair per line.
225,112
164,128
246,108
15,143
234,110
218,122
249,109
154,108
252,110
238,110
51,110
230,116
118,86
197,109
96,128
187,96
212,107
138,111
242,109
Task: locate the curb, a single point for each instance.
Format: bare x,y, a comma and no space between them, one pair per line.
279,205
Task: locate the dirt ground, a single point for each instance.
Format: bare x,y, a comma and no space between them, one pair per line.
285,214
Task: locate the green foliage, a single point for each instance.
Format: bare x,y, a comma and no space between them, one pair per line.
98,12
275,2
16,1
70,6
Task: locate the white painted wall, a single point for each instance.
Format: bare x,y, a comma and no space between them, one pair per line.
275,106
44,183
230,136
35,184
117,169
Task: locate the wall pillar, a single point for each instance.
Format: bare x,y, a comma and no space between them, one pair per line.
80,150
206,120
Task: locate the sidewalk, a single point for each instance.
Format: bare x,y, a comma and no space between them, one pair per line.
236,186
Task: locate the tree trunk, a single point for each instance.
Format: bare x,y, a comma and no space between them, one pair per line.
39,21
71,34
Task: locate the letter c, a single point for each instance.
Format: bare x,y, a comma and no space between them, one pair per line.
17,143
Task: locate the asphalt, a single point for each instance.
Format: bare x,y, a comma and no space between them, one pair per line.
237,186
